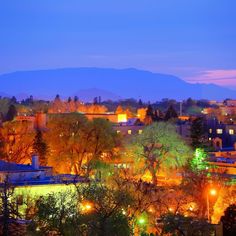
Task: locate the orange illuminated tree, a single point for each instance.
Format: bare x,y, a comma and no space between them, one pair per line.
76,144
16,140
64,140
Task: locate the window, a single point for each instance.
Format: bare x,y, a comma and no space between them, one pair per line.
231,131
140,131
209,139
129,131
118,131
210,131
219,131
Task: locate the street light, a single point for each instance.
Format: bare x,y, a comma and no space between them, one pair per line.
86,207
211,192
141,221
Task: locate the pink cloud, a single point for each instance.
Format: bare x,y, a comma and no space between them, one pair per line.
220,77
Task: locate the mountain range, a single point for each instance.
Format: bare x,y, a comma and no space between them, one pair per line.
108,83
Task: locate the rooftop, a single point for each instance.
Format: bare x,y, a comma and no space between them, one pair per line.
13,167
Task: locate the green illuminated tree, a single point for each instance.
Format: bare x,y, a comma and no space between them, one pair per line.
199,162
159,146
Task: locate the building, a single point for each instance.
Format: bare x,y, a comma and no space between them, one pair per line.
221,135
31,175
130,127
38,121
230,103
223,162
112,117
19,174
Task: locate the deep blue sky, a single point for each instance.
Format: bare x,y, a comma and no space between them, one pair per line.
193,39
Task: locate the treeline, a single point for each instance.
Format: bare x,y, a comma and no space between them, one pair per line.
73,104
71,143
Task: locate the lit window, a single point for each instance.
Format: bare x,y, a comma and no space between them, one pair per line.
219,131
118,131
209,139
210,131
122,118
231,131
129,131
140,131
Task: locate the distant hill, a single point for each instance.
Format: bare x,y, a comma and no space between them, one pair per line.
108,83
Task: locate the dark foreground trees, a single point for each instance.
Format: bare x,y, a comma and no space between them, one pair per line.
179,225
91,210
229,221
8,207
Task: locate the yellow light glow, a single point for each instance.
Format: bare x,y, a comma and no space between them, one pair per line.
122,118
147,177
151,210
86,206
191,208
213,192
171,209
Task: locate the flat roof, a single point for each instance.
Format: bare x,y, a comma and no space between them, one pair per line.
14,167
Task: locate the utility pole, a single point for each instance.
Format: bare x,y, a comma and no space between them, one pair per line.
181,108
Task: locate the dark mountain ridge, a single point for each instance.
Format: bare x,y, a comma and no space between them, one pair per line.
112,83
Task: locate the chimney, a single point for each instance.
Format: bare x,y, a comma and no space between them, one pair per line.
35,162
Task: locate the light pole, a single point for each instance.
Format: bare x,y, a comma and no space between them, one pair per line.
211,192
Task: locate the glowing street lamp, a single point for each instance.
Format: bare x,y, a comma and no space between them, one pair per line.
211,192
171,209
86,207
139,224
141,221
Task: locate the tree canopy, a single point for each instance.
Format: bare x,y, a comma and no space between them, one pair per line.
159,146
78,142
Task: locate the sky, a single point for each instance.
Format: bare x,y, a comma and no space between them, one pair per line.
192,39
